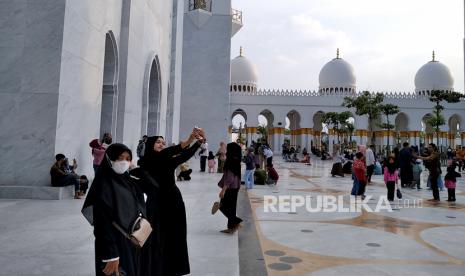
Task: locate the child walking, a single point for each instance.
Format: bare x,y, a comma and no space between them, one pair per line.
417,174
359,171
211,162
391,177
450,180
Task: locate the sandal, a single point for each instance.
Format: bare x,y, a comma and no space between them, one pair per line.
215,207
228,231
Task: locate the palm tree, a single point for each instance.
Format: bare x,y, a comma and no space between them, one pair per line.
350,130
338,120
438,96
388,109
263,131
366,104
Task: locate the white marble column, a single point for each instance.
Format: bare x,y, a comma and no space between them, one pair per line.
278,137
309,141
303,140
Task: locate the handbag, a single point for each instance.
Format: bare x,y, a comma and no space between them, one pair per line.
398,192
140,231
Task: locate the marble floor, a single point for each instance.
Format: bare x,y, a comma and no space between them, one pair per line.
425,239
52,238
48,237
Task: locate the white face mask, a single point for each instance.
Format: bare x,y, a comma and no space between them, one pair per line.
120,167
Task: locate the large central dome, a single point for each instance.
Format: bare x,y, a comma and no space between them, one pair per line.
434,75
244,76
337,76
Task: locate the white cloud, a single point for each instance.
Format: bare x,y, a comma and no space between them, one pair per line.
385,41
306,29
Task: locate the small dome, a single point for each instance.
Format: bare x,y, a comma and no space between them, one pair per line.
337,74
244,76
433,76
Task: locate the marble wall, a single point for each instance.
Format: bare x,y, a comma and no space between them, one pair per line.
51,79
30,51
206,72
142,31
174,94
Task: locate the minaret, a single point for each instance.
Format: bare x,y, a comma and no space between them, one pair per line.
206,68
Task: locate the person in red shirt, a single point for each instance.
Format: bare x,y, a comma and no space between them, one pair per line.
360,170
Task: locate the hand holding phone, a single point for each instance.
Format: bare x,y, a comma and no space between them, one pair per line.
198,132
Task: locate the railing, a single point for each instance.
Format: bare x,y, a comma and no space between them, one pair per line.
310,93
236,16
205,5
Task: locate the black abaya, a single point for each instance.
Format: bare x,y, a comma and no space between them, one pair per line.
114,198
168,254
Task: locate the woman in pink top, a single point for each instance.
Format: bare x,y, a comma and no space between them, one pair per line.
230,184
391,177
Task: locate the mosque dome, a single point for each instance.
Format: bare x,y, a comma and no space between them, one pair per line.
337,76
434,75
244,75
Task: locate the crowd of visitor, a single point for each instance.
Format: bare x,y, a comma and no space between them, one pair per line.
138,213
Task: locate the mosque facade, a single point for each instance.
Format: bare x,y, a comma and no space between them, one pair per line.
303,110
73,70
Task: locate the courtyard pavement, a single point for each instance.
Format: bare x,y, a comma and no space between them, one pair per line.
407,241
51,237
42,237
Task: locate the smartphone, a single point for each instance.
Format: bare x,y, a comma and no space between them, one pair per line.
197,128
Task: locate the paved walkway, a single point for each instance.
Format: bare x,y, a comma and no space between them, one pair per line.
48,237
415,241
52,238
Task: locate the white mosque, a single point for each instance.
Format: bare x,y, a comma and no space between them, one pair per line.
76,69
300,111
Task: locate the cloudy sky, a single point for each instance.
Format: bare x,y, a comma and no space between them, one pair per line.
385,41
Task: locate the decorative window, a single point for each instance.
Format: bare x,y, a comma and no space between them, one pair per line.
205,5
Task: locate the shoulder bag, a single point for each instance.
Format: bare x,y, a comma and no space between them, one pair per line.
140,231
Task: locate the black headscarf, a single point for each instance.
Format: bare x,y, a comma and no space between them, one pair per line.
150,155
117,192
451,174
233,159
391,166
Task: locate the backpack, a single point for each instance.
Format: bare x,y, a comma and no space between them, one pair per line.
140,149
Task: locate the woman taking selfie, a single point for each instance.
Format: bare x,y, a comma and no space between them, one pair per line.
113,204
168,254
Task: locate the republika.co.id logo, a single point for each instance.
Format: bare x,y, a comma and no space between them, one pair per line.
330,204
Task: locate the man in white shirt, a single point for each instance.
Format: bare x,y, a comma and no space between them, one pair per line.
370,161
203,155
268,155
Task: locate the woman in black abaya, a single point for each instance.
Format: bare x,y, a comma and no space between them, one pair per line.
114,197
168,254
